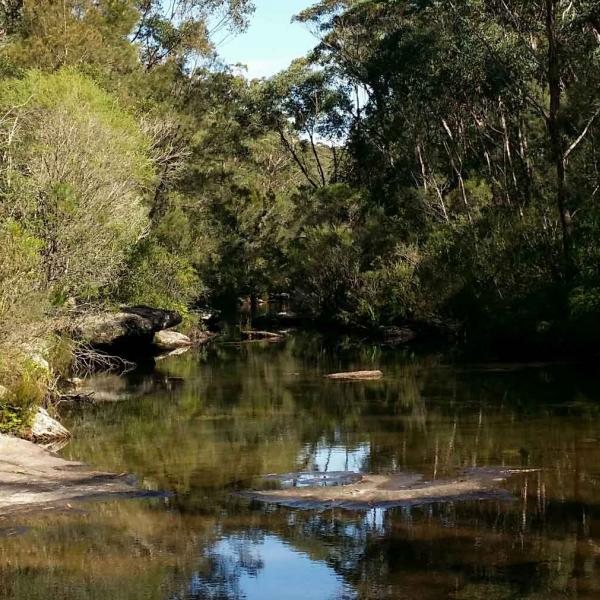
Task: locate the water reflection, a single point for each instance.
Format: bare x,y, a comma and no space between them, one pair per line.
207,424
326,456
262,567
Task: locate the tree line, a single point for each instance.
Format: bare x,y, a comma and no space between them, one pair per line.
427,161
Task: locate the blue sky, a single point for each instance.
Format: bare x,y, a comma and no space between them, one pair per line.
272,41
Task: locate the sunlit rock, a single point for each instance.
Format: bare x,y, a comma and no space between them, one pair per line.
31,477
355,491
171,340
46,429
134,324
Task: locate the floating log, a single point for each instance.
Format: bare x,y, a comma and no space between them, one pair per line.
261,335
356,375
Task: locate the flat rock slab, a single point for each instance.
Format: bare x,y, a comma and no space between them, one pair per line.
399,489
31,478
356,376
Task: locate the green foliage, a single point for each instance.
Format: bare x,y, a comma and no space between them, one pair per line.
426,160
76,168
24,385
21,299
158,277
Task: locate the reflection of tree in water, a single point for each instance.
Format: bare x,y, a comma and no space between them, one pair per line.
245,412
476,547
221,568
261,566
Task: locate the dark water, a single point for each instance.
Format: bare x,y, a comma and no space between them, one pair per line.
205,424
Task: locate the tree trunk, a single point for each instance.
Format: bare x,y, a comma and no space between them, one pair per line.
555,136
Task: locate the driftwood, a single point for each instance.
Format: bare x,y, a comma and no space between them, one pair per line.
356,375
251,335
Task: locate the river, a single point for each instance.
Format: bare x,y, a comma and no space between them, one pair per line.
200,428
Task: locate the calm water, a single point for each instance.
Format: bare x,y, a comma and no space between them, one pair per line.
203,425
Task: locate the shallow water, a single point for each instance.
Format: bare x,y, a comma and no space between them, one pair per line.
208,424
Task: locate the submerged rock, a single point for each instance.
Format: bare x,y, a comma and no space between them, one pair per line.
46,429
303,480
367,491
356,375
171,340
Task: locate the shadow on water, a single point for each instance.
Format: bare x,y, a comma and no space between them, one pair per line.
205,425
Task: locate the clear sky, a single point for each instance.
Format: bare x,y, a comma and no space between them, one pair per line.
272,41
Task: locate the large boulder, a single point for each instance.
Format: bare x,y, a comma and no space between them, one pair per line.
129,325
46,429
171,340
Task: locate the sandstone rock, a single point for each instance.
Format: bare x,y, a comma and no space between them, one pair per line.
32,478
171,340
46,429
355,491
135,324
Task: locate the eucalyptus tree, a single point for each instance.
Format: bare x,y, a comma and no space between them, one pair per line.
310,109
178,29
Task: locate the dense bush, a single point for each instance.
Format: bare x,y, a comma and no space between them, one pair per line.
76,167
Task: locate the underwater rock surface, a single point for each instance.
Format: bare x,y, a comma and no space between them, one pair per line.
351,490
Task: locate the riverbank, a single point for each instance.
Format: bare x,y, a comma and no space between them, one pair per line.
37,370
31,478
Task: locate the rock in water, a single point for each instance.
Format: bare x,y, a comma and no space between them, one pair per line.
46,429
138,323
341,490
171,340
356,375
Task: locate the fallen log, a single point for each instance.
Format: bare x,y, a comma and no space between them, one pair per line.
356,375
251,335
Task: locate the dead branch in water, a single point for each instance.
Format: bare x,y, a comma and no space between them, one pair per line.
89,360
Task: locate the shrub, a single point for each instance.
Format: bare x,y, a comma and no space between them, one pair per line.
159,277
20,276
25,385
76,167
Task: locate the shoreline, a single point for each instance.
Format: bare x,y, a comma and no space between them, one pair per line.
32,479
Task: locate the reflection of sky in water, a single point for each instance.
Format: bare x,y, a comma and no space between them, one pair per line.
328,457
266,569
